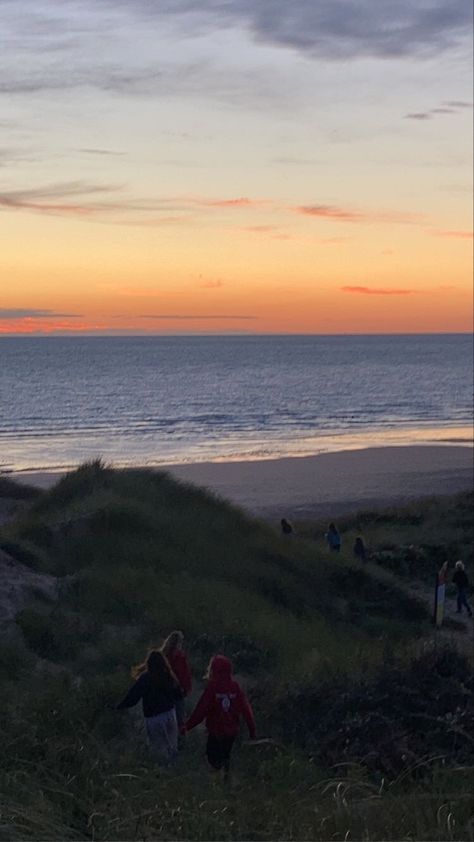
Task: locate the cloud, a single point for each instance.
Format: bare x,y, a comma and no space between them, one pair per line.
331,212
87,200
341,214
330,29
458,103
32,313
455,235
60,45
102,152
14,156
452,107
58,198
418,115
242,202
377,291
216,284
260,229
192,317
360,290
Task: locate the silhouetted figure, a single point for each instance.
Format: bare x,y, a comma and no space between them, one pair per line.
158,688
462,583
222,705
286,527
333,538
173,650
359,549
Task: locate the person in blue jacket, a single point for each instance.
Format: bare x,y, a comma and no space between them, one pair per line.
333,538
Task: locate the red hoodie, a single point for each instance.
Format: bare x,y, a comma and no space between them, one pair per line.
222,703
179,664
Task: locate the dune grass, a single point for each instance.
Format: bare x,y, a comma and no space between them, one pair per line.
322,643
411,541
15,490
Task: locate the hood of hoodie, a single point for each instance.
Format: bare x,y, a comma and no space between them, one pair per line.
221,668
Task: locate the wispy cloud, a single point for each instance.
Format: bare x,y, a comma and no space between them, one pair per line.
455,235
419,115
34,313
336,213
376,290
332,212
330,29
59,199
84,199
458,103
231,204
58,45
212,284
452,107
260,229
103,152
194,317
364,290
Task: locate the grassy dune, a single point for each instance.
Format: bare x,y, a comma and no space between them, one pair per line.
370,720
411,541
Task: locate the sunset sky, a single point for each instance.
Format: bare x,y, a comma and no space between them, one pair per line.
215,166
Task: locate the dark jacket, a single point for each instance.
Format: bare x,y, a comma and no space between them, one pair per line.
460,579
155,699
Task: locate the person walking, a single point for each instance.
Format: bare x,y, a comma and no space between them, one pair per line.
359,549
222,705
462,583
158,688
333,538
173,650
287,528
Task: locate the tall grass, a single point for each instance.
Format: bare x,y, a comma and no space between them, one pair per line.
319,641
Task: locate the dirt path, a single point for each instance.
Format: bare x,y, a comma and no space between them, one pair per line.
459,629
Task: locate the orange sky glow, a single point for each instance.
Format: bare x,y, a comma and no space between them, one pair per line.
237,178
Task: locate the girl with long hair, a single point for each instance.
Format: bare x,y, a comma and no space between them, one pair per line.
173,650
158,688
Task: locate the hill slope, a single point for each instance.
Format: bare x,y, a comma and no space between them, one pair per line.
321,643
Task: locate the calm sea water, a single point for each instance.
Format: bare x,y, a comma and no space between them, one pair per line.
152,400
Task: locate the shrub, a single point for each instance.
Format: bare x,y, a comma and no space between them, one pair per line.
54,635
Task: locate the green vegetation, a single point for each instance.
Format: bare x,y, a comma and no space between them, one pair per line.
371,721
14,491
411,541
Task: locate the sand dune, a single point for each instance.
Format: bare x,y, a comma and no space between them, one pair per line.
327,484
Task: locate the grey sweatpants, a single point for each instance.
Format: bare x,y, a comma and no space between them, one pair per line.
162,731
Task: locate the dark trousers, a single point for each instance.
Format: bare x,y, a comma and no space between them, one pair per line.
462,600
218,751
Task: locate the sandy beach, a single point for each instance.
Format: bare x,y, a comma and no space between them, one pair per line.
326,484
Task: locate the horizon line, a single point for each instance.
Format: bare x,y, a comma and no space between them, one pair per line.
230,334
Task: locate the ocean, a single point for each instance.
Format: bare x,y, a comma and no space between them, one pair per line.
164,400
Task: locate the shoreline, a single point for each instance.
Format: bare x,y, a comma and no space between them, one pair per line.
447,436
327,484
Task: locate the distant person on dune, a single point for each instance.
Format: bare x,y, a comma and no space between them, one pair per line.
287,528
462,583
173,650
333,538
359,549
222,705
158,688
